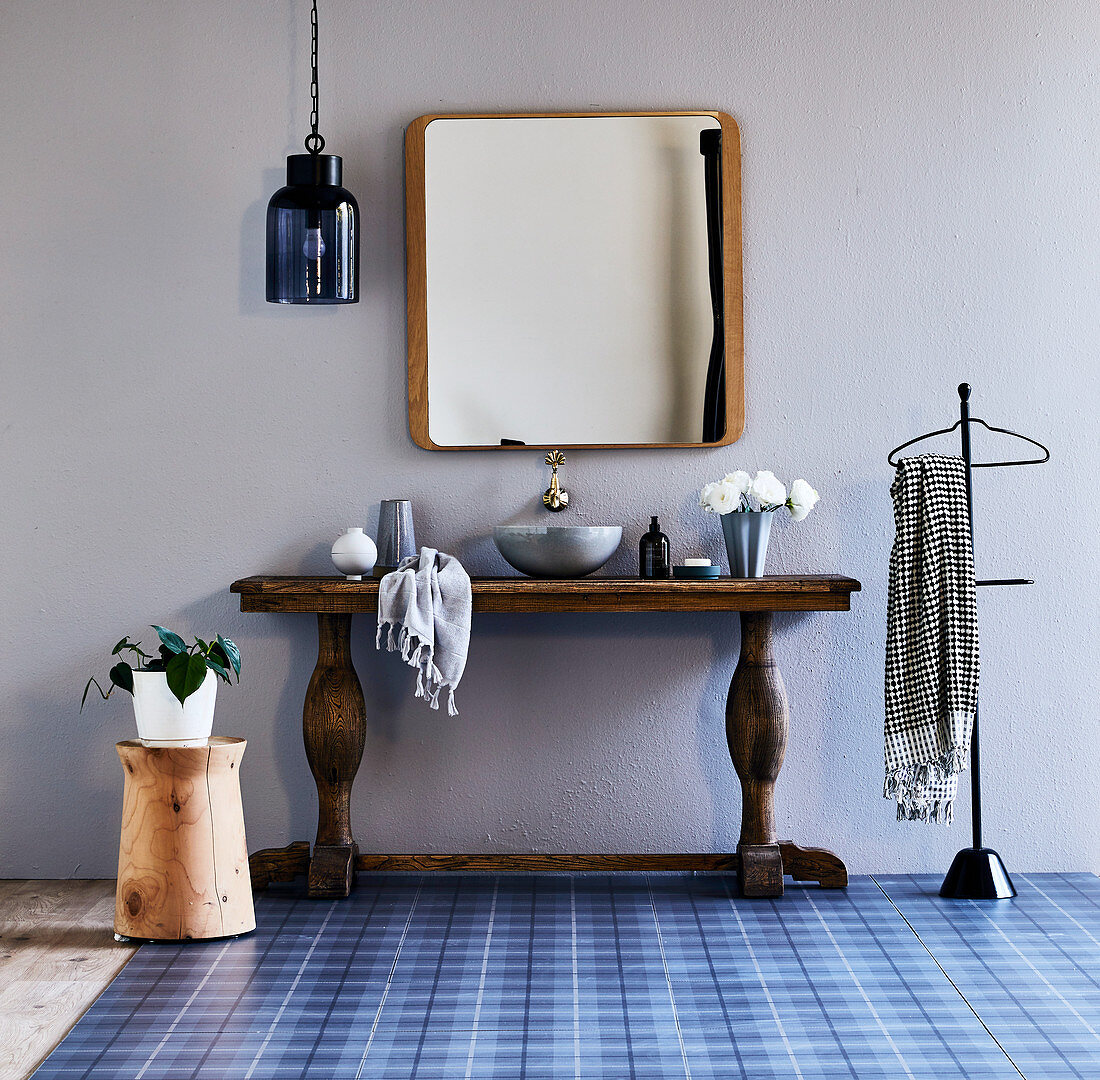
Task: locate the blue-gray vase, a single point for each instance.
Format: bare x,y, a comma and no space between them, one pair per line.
746,534
396,539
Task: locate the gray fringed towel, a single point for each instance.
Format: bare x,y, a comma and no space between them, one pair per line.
931,639
427,602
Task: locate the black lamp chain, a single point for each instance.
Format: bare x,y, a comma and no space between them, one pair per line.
315,142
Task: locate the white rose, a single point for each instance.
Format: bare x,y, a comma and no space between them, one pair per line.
730,496
768,489
740,480
803,499
706,498
724,498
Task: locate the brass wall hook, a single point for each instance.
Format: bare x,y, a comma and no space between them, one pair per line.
554,498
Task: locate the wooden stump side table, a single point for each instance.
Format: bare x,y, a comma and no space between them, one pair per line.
334,723
182,857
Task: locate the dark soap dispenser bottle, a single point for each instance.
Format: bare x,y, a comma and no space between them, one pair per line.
655,559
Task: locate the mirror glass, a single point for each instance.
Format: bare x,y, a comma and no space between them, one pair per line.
572,287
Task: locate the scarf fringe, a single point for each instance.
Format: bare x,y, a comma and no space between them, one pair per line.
418,654
909,784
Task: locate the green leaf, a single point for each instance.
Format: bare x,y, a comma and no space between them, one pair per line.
185,674
204,647
171,641
122,675
217,668
232,653
126,645
219,655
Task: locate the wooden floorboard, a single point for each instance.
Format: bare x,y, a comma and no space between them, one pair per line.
57,955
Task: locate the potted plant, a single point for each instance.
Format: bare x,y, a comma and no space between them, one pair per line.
174,688
746,504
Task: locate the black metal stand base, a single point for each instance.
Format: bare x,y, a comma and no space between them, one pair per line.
977,874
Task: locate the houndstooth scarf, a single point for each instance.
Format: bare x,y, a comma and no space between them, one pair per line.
931,639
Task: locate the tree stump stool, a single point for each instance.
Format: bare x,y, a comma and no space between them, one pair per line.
182,859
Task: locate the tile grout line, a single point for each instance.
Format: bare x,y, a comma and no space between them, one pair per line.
764,984
1073,885
576,980
1026,1013
481,982
622,980
1038,926
389,980
668,977
133,1012
248,982
353,952
862,916
286,998
1046,982
187,1004
1054,903
530,971
826,1016
859,986
440,961
954,985
717,986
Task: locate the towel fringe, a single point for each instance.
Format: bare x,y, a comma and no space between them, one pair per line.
391,641
909,785
429,679
940,812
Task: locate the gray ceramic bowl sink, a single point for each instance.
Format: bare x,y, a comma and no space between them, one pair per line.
557,551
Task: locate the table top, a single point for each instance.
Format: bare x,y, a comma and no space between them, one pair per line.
337,595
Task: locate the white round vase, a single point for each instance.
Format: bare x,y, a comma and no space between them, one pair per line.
354,554
163,721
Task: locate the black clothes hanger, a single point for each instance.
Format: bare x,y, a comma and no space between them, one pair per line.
964,396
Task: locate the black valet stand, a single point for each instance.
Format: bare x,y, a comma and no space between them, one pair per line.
977,872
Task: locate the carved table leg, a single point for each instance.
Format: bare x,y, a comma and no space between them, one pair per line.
756,730
814,864
334,730
278,864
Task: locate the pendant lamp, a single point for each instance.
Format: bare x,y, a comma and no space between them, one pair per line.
313,223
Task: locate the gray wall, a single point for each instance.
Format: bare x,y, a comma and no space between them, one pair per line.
920,207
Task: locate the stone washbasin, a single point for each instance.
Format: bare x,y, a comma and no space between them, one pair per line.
557,551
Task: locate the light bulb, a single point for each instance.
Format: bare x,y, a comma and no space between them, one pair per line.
314,245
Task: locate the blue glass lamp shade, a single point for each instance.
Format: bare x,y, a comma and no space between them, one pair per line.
313,235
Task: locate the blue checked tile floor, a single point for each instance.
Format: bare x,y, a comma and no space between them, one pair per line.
609,976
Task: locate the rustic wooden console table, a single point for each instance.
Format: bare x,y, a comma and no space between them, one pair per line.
334,722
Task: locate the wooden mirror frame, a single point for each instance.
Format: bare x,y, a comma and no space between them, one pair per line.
416,278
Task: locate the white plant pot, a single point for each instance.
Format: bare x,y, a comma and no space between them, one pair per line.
163,721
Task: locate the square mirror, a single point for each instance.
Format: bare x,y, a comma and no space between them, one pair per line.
574,280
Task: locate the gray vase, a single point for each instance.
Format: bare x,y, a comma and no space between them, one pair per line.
746,534
396,540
